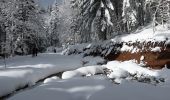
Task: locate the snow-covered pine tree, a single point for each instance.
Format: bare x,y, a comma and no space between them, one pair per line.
54,26
161,11
100,10
28,27
157,12
76,22
2,33
23,25
135,13
66,20
6,10
138,13
129,16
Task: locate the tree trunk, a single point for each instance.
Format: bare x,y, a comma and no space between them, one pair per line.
102,33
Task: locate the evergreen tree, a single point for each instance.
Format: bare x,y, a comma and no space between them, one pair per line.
23,25
54,26
28,26
100,10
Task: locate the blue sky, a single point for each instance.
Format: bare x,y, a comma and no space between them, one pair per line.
45,3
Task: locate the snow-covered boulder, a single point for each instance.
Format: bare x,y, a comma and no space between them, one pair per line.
84,71
51,79
118,73
131,67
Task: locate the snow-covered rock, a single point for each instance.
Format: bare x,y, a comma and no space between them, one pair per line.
92,70
131,67
142,58
51,79
156,49
126,48
118,73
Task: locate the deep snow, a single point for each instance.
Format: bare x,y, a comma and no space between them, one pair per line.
26,70
83,84
146,34
94,88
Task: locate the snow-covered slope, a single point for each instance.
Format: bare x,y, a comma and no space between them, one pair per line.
161,33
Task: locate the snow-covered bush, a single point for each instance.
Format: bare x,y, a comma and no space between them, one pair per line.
93,49
131,70
75,49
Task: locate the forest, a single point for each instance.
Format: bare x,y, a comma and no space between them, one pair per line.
24,24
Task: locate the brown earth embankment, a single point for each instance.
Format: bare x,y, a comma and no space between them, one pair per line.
155,60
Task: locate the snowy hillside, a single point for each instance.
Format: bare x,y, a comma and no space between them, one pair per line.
146,34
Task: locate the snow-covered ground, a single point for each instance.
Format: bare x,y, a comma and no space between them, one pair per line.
147,34
123,81
94,88
26,70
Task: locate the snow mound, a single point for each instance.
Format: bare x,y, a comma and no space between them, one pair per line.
120,69
84,71
126,48
129,70
51,79
156,49
118,73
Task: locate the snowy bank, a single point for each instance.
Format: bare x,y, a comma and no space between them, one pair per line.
84,71
131,67
22,71
146,35
75,87
133,43
94,88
